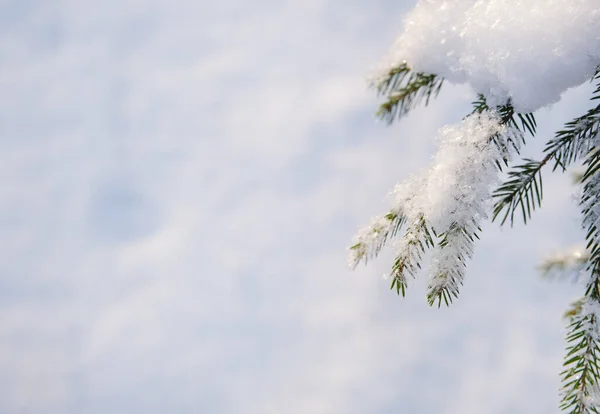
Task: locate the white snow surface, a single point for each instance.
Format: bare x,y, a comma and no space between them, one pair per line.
528,51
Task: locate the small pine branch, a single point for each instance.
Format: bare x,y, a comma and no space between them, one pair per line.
457,245
576,140
591,166
581,372
369,243
417,239
522,122
524,186
518,125
522,190
590,207
579,136
455,242
405,90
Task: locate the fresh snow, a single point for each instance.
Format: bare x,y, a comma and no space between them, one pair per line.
528,51
457,187
454,192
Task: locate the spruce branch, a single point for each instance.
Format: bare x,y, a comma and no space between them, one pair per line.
454,248
518,125
522,190
524,185
417,239
482,140
576,139
522,122
369,243
591,165
404,90
590,208
579,136
581,371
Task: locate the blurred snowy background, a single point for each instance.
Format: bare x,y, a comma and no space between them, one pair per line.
179,184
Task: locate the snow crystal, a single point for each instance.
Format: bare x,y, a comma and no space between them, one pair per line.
528,51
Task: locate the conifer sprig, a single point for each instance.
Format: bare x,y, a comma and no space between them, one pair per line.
524,185
417,239
522,122
404,90
581,376
523,188
368,245
590,207
465,165
457,243
579,136
576,139
581,371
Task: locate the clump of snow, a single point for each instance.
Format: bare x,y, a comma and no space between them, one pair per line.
458,186
456,196
453,195
528,51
